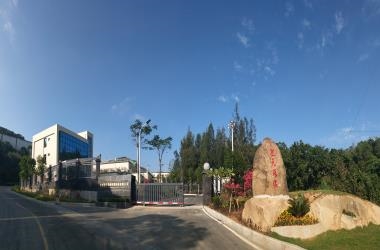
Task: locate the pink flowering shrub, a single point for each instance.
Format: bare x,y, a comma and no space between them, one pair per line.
248,182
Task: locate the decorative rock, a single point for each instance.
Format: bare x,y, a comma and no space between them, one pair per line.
261,212
328,209
269,174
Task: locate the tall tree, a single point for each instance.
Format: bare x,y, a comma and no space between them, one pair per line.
207,145
41,167
160,145
27,165
176,174
244,132
139,131
188,157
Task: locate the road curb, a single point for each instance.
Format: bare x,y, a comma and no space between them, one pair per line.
256,240
58,207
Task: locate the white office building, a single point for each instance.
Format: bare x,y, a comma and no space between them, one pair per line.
57,143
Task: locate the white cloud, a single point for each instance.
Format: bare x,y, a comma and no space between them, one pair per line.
223,99
363,57
341,137
15,3
371,8
243,39
326,39
300,39
308,4
347,136
6,12
123,107
248,24
269,70
289,9
264,67
275,58
306,24
237,66
8,28
339,22
235,98
376,43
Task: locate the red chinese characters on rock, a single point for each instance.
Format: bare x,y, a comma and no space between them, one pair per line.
272,154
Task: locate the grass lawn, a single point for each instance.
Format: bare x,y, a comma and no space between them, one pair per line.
321,191
358,238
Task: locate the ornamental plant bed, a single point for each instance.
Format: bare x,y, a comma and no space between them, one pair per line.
296,214
233,197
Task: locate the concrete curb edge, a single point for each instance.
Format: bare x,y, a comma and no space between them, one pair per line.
257,240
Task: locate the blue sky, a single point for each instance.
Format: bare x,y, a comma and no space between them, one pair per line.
303,70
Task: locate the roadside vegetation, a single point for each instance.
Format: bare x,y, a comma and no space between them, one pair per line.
355,170
9,163
45,197
358,238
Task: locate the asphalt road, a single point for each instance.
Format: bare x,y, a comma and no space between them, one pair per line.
29,224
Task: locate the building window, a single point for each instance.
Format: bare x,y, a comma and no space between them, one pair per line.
71,147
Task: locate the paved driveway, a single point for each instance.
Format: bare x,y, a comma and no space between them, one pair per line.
29,224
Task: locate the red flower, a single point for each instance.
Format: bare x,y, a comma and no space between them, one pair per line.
248,180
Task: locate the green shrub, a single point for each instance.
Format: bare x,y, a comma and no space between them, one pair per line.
216,201
299,206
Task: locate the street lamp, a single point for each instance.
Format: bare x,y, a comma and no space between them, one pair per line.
206,185
139,149
206,166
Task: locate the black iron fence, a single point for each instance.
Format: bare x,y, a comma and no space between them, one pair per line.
192,188
160,194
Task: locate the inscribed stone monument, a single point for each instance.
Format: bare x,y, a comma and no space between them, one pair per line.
269,174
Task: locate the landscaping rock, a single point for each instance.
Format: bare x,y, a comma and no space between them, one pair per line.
261,212
269,174
334,212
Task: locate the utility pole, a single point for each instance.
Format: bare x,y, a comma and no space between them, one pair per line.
232,126
139,150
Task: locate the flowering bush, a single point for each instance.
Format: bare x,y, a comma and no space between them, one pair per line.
287,219
248,182
233,188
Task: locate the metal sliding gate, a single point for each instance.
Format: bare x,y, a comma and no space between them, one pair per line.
160,194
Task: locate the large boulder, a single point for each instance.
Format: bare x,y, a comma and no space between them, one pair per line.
269,174
333,212
261,212
344,212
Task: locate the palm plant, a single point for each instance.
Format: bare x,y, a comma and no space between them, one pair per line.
299,206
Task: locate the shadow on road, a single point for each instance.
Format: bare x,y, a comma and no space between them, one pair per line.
156,232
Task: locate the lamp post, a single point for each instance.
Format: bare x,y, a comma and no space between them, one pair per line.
139,149
206,185
232,126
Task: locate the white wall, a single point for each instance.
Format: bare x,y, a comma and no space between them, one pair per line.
51,149
17,143
108,166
